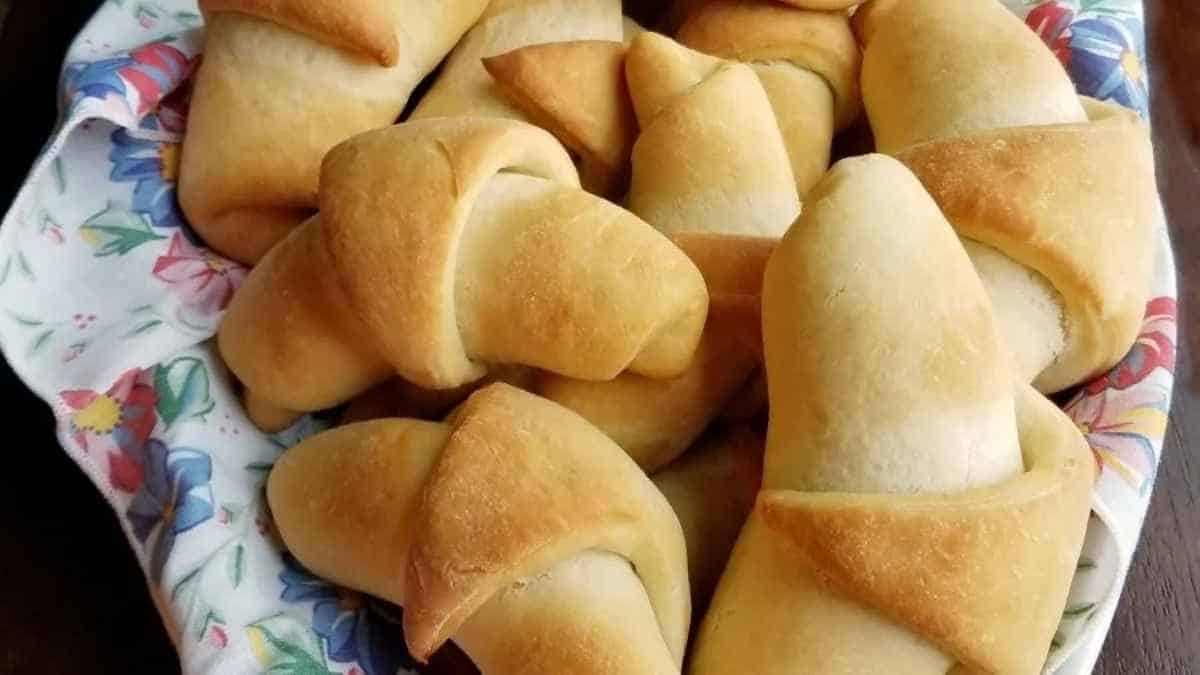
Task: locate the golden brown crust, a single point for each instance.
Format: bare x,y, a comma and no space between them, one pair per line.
710,156
939,68
452,160
897,530
270,99
267,416
587,615
375,506
357,537
425,314
656,420
290,337
1076,203
484,522
732,265
400,398
931,407
368,289
364,26
576,91
983,574
463,87
824,5
733,268
244,234
761,31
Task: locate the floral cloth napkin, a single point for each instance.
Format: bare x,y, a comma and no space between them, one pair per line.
108,303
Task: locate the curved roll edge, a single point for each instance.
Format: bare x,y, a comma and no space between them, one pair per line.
983,574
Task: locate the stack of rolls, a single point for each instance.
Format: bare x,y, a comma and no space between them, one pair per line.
633,374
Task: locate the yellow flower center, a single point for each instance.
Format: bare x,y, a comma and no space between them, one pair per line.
169,154
258,645
1131,65
100,416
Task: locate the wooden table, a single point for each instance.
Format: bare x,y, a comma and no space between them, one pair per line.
72,599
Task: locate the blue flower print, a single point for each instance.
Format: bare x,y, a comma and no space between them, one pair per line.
152,165
175,497
355,627
1106,59
146,74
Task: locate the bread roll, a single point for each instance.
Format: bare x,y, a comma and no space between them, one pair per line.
922,511
657,420
710,156
1065,244
283,82
1055,194
445,246
692,105
514,528
938,68
463,87
576,91
397,397
808,63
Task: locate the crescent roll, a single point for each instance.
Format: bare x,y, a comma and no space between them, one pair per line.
514,529
923,511
807,61
446,246
1055,194
464,87
283,82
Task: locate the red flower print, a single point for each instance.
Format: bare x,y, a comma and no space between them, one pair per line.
125,471
1123,427
217,637
154,70
205,282
117,422
1154,349
1050,20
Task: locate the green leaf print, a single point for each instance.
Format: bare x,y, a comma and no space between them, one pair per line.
197,611
26,321
284,646
235,565
182,388
1078,611
40,341
142,328
189,19
60,177
24,266
198,594
116,232
144,11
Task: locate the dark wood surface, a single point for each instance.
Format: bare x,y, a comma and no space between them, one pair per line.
72,599
1157,627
